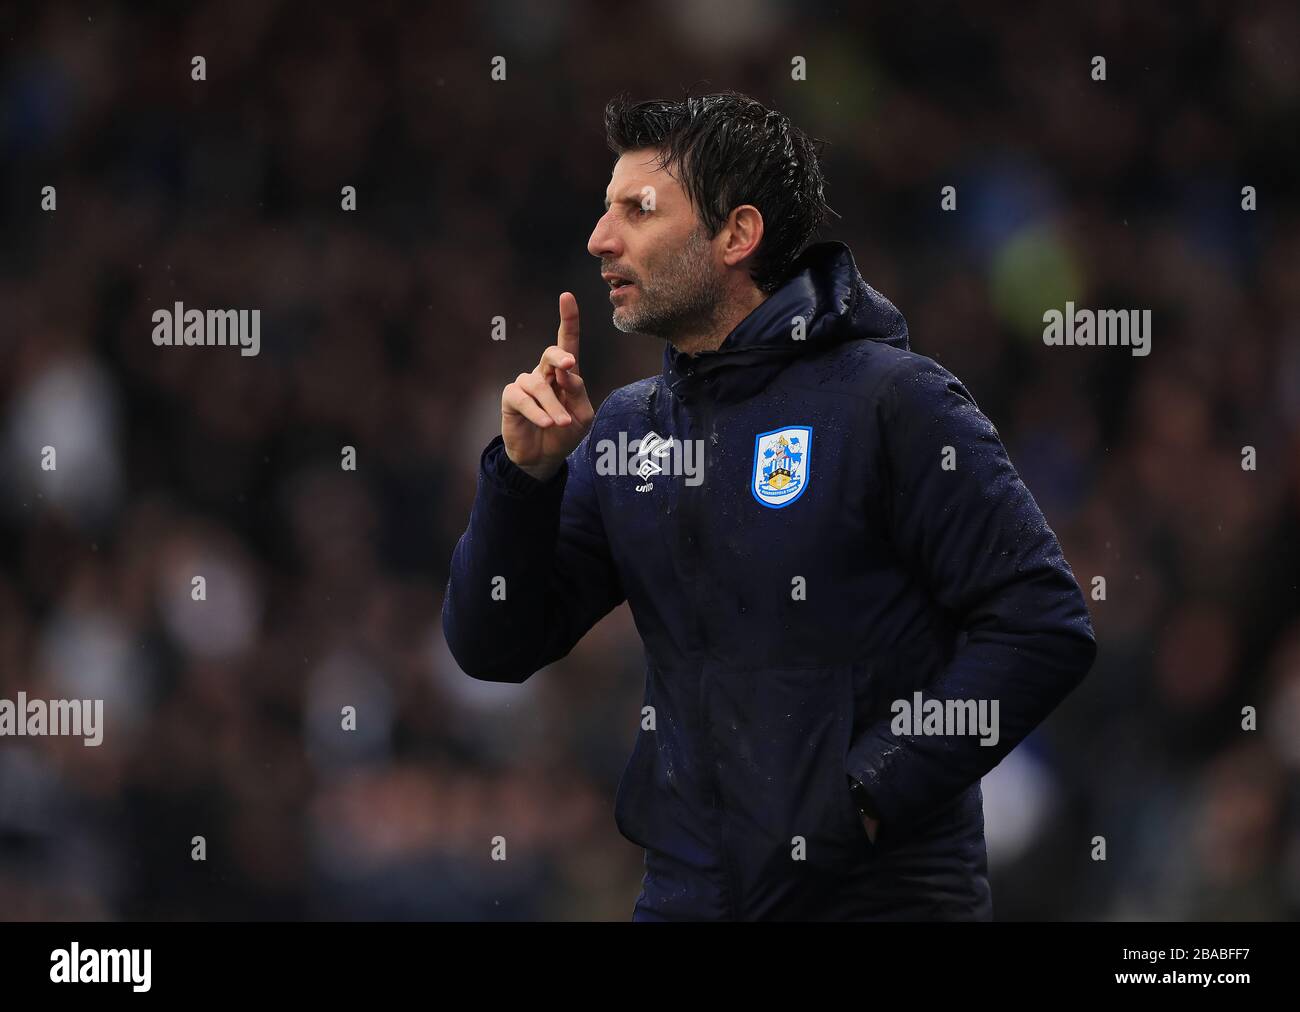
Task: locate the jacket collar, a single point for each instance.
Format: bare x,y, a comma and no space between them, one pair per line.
825,290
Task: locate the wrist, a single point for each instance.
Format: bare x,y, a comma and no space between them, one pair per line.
538,472
510,477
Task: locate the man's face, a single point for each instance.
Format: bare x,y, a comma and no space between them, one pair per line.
650,236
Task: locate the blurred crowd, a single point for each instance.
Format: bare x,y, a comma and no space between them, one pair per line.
474,200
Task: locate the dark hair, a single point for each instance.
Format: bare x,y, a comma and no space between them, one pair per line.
729,150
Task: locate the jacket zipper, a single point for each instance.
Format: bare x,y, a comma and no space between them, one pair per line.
704,425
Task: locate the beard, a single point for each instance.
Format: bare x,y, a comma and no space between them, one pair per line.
685,296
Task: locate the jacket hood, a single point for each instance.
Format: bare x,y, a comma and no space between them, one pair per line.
826,289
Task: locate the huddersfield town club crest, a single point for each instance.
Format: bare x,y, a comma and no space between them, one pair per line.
781,459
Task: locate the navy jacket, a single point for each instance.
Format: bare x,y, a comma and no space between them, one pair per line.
859,535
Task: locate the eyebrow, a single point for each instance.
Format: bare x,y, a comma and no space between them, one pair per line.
629,199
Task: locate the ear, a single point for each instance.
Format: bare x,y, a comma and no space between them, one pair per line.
744,231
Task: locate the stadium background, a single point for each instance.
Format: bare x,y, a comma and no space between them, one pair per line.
475,199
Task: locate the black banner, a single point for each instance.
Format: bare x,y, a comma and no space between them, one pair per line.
340,960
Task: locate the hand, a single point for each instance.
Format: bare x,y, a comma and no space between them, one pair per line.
546,412
871,826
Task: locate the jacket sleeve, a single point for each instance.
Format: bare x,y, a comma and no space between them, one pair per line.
975,537
532,572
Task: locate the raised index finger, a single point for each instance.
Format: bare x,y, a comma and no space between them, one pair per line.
567,338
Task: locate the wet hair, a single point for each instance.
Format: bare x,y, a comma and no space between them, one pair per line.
728,150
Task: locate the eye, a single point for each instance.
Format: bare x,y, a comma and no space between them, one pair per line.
642,210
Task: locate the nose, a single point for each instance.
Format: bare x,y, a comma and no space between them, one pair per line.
604,241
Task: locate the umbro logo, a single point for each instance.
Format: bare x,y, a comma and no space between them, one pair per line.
651,455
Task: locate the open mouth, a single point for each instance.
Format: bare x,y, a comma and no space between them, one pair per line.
616,281
618,286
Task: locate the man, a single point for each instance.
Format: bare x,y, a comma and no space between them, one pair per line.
852,544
